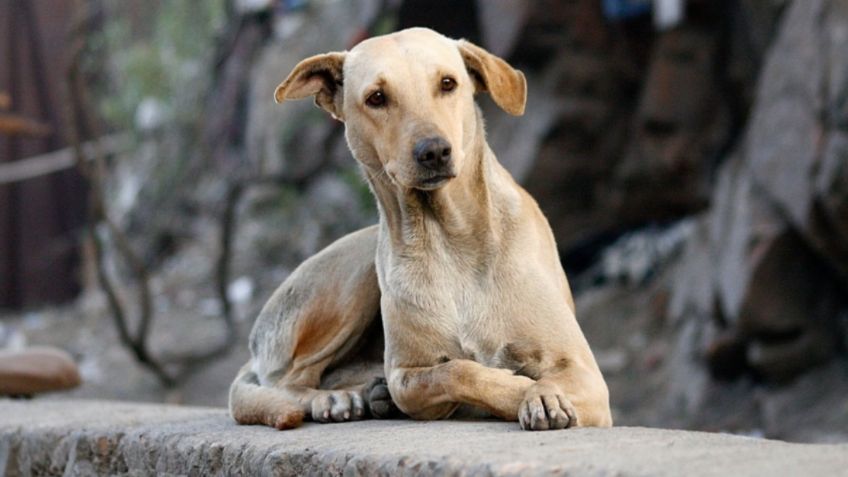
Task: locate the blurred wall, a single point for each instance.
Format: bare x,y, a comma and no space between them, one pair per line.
39,218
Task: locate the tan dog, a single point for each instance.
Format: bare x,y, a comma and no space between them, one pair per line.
476,309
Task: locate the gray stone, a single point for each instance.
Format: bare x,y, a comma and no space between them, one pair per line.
778,220
681,123
796,141
97,437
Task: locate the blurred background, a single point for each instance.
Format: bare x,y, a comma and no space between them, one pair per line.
691,156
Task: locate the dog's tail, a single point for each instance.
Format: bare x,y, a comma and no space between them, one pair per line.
252,403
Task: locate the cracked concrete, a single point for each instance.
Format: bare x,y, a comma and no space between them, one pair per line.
97,437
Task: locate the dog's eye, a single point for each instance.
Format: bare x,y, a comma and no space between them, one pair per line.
377,99
448,84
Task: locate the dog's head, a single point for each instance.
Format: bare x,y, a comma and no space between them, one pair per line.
407,100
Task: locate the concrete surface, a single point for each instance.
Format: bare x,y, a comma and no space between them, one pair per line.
97,437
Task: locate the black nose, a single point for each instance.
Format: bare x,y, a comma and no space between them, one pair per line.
432,152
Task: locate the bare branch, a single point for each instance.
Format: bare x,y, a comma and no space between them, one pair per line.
91,162
56,161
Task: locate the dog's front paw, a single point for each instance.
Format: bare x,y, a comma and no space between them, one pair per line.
337,406
379,400
546,408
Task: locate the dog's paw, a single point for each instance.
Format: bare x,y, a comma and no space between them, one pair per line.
544,408
286,420
337,406
379,400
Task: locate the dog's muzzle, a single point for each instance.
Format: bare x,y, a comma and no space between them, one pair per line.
433,154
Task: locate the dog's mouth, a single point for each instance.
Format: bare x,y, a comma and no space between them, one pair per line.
436,181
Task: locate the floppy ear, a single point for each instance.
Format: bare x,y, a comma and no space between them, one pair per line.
490,73
319,75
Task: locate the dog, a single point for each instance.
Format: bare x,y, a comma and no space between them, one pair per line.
456,298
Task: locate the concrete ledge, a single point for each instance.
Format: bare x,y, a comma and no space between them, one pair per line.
91,437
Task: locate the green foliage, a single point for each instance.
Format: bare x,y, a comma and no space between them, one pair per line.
385,25
168,62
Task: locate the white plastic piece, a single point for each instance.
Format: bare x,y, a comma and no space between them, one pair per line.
668,13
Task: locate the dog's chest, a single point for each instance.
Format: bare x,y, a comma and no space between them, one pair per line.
461,311
444,305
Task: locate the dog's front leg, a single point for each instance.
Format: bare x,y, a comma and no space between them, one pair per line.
568,396
435,392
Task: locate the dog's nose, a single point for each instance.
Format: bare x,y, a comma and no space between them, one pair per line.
432,152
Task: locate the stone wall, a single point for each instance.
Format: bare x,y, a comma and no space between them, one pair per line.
90,437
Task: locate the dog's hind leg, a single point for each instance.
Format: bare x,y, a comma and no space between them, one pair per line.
317,342
251,403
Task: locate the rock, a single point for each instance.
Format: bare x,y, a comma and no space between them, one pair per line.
637,122
97,437
36,370
586,93
829,224
775,238
680,125
825,412
789,102
803,95
692,291
772,299
640,122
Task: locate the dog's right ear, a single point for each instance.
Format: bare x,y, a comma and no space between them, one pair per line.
321,76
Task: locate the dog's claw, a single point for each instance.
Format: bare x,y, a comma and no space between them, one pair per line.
543,410
337,406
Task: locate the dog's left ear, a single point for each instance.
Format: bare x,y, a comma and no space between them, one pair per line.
319,75
490,73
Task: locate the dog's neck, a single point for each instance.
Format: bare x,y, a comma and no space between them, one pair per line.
464,212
